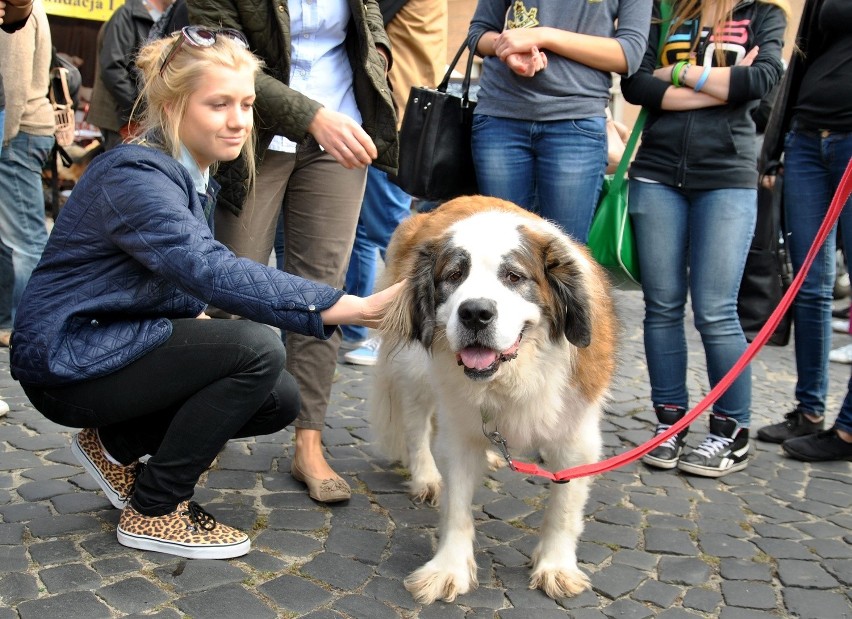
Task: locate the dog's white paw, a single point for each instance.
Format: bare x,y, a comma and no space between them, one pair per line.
429,583
425,491
560,583
495,460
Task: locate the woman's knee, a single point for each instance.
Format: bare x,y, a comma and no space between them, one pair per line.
289,399
280,410
264,344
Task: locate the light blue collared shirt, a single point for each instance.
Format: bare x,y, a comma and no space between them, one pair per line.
199,179
319,65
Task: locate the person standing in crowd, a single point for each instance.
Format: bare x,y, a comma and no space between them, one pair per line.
116,86
110,337
418,33
325,113
811,124
13,16
539,136
27,142
693,203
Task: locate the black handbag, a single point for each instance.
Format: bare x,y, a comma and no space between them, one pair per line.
768,271
435,161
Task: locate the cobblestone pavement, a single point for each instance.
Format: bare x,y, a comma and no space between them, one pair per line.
774,540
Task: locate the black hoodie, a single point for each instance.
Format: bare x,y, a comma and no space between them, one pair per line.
716,147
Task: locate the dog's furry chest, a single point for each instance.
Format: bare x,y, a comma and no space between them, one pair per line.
528,404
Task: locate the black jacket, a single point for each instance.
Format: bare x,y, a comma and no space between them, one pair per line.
809,44
713,147
123,35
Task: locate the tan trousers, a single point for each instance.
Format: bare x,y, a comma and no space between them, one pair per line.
418,33
321,200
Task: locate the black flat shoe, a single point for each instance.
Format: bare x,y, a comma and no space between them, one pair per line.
820,447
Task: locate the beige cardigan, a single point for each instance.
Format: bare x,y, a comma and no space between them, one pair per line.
25,65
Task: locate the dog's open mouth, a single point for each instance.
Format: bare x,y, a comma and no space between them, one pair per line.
481,362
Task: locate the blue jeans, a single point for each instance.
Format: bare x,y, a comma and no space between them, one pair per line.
693,242
552,168
813,167
385,205
22,231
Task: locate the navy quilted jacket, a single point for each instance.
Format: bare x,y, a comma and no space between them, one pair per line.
131,249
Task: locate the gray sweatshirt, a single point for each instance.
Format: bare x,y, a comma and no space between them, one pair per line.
565,89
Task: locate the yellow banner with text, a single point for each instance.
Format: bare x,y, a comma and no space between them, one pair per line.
97,10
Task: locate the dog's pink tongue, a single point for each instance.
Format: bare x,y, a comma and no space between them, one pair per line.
477,358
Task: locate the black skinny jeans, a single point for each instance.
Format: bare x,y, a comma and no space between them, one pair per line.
211,381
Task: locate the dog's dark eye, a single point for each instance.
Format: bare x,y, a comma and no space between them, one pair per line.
513,277
454,276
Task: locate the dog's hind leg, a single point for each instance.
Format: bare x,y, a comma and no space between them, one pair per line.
425,483
401,416
554,560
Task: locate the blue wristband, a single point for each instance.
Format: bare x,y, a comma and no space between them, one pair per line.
703,79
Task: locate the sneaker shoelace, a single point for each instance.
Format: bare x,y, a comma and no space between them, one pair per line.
372,344
198,517
670,442
793,419
712,445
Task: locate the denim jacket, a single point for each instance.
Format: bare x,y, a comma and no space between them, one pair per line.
131,249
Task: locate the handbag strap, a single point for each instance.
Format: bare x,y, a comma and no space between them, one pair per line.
442,87
621,171
60,75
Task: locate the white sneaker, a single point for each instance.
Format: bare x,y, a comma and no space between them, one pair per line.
4,408
840,326
351,344
367,354
841,355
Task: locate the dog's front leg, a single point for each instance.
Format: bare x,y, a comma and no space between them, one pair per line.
452,571
554,560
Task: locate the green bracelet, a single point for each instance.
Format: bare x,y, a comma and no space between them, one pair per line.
676,73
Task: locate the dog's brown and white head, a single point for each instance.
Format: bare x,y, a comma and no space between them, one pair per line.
484,277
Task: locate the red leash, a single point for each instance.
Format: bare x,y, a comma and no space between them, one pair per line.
566,475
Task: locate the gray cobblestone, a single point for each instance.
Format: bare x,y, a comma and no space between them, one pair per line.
749,595
810,604
17,587
225,602
133,595
804,574
73,605
703,600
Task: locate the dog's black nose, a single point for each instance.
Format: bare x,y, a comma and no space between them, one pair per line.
476,314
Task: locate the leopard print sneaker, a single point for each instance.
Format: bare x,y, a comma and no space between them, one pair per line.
117,481
189,532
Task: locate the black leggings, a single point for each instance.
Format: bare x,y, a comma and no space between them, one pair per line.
211,381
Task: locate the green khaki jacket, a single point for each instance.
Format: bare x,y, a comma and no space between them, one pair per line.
280,110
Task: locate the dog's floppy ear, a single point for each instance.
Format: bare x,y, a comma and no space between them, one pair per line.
572,317
423,288
411,316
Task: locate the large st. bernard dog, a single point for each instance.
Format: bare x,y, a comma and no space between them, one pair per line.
505,326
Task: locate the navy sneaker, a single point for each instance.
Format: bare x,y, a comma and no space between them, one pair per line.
725,450
667,454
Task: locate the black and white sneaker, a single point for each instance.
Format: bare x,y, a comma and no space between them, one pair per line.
667,454
725,450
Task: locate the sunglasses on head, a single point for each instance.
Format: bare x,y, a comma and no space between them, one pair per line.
198,36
